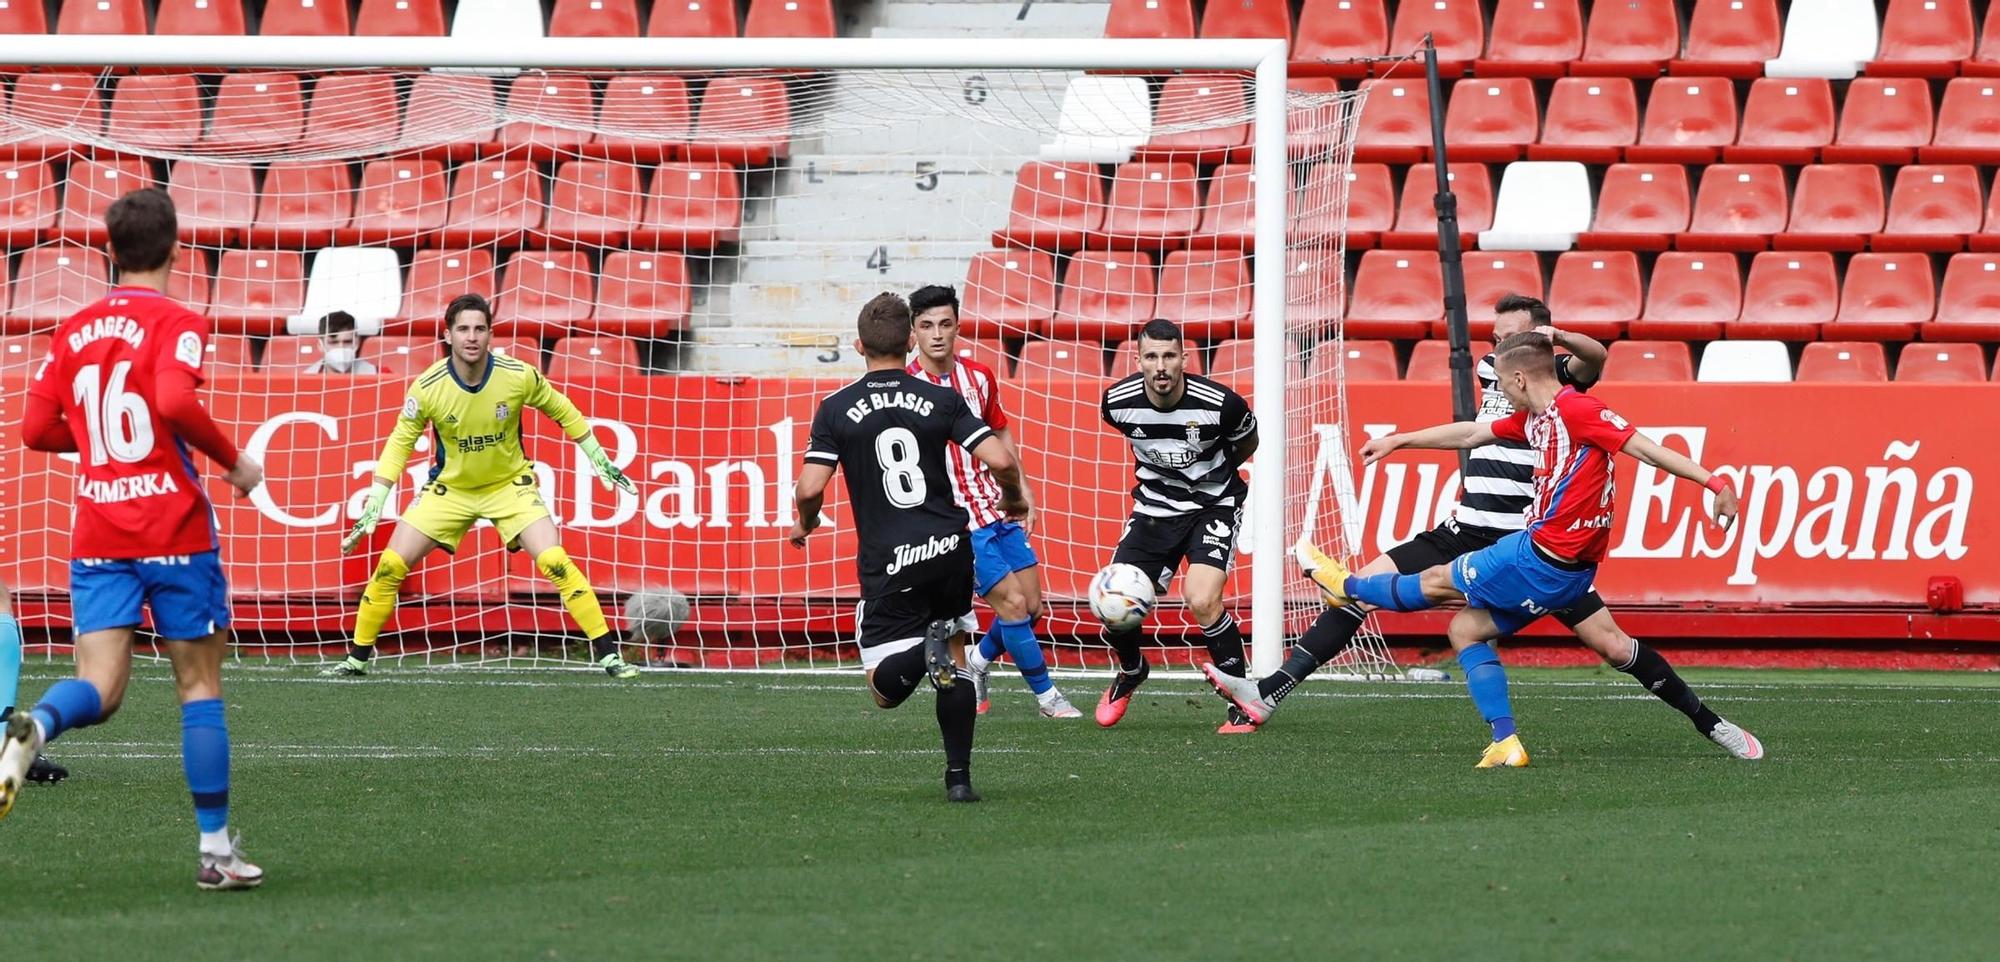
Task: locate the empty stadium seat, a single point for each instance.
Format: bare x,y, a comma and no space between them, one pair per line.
24,18
1730,38
193,279
1206,292
400,202
1533,38
157,111
1688,121
1882,121
985,351
1314,116
22,353
694,205
1416,215
27,203
1596,293
1055,206
693,18
1649,361
455,116
1491,120
1332,33
1543,206
1431,360
1738,207
1788,296
492,202
1008,293
291,353
1359,360
437,276
1826,38
1968,124
401,356
544,293
1186,121
352,112
1985,61
1152,206
1745,362
594,202
556,115
1106,296
1590,119
102,16
1489,277
1885,297
641,294
1102,120
1150,19
789,18
1371,204
214,203
1690,296
594,18
54,281
1236,358
1397,294
1933,208
1785,121
89,187
1939,363
256,112
1228,211
58,101
1639,207
400,18
1924,38
1395,125
366,282
1061,360
1316,290
304,18
302,205
1988,238
255,291
1247,19
1629,39
1457,27
1835,207
644,118
1969,301
743,120
1843,361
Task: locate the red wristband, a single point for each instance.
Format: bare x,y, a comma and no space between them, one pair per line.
1716,483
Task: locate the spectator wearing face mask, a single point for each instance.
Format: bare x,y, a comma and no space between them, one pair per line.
340,347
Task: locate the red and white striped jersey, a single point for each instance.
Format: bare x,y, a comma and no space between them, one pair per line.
971,481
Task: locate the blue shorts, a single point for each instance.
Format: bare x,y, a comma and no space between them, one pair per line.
187,594
1515,584
999,550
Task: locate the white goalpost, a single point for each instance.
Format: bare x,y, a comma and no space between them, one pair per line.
680,233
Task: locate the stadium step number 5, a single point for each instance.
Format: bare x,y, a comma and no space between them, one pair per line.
902,471
121,429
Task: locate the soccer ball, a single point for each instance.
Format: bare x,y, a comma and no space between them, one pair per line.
654,614
1121,596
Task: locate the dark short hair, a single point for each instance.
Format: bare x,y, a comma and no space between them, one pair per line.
467,302
335,322
1160,329
1509,303
142,228
934,295
884,326
1528,351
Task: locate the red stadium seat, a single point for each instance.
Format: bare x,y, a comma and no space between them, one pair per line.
527,349
1228,212
401,356
1988,238
1235,359
1491,120
1359,360
693,18
1332,31
102,16
1639,207
303,205
401,202
1150,19
1416,216
304,18
1630,39
644,118
1591,120
1649,361
641,294
215,203
582,358
493,202
29,17
1458,27
1206,292
1061,360
743,120
88,190
1969,303
1055,206
1397,294
1688,121
27,203
1785,121
208,18
292,353
1187,121
1788,296
1489,276
1533,38
157,111
22,353
1316,292
594,18
1986,62
691,205
1313,116
987,351
1247,19
1690,297
1938,363
193,281
1730,38
227,354
1153,206
1923,38
1933,208
437,276
1835,207
1738,207
1885,297
352,112
1008,293
594,202
1883,121
256,290
1395,125
256,112
559,112
1843,362
54,281
1106,296
1371,204
1596,293
789,18
456,115
1431,360
544,294
400,18
1968,124
60,101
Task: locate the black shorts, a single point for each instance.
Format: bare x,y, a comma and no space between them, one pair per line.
1156,546
1447,541
897,619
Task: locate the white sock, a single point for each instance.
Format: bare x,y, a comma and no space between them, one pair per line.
1049,696
974,661
216,842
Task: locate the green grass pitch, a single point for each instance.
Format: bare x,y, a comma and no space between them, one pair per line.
538,815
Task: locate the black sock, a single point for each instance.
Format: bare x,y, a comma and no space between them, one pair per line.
956,711
1126,644
360,652
1329,635
602,645
1652,671
897,676
1225,645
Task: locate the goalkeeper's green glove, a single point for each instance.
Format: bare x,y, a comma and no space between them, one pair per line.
371,513
606,471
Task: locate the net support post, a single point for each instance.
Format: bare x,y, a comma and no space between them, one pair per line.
1269,344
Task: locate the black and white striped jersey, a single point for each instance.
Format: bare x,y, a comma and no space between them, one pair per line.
1180,455
1500,477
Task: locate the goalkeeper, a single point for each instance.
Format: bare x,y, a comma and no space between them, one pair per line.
472,400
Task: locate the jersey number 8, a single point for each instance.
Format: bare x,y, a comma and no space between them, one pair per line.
121,429
902,469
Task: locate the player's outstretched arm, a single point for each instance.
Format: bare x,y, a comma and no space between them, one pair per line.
1679,465
808,497
1587,354
544,397
1450,436
998,456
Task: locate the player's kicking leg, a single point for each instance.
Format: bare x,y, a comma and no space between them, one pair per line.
408,547
41,769
539,540
1202,589
894,668
1599,632
1008,575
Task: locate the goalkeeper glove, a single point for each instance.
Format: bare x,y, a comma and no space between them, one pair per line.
606,471
371,513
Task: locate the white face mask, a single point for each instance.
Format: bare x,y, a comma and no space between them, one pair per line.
339,358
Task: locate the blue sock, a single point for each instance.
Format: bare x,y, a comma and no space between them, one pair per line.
69,703
991,645
1392,591
10,660
1487,682
1019,637
205,758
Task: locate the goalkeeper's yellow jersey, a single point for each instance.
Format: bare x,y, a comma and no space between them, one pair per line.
476,428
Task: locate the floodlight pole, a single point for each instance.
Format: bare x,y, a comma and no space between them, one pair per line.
1450,259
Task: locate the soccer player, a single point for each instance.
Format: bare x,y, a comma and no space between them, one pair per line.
1189,437
1498,490
888,432
473,400
1004,567
118,389
41,769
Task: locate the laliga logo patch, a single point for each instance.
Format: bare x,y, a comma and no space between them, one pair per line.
187,349
1612,416
1471,573
410,408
